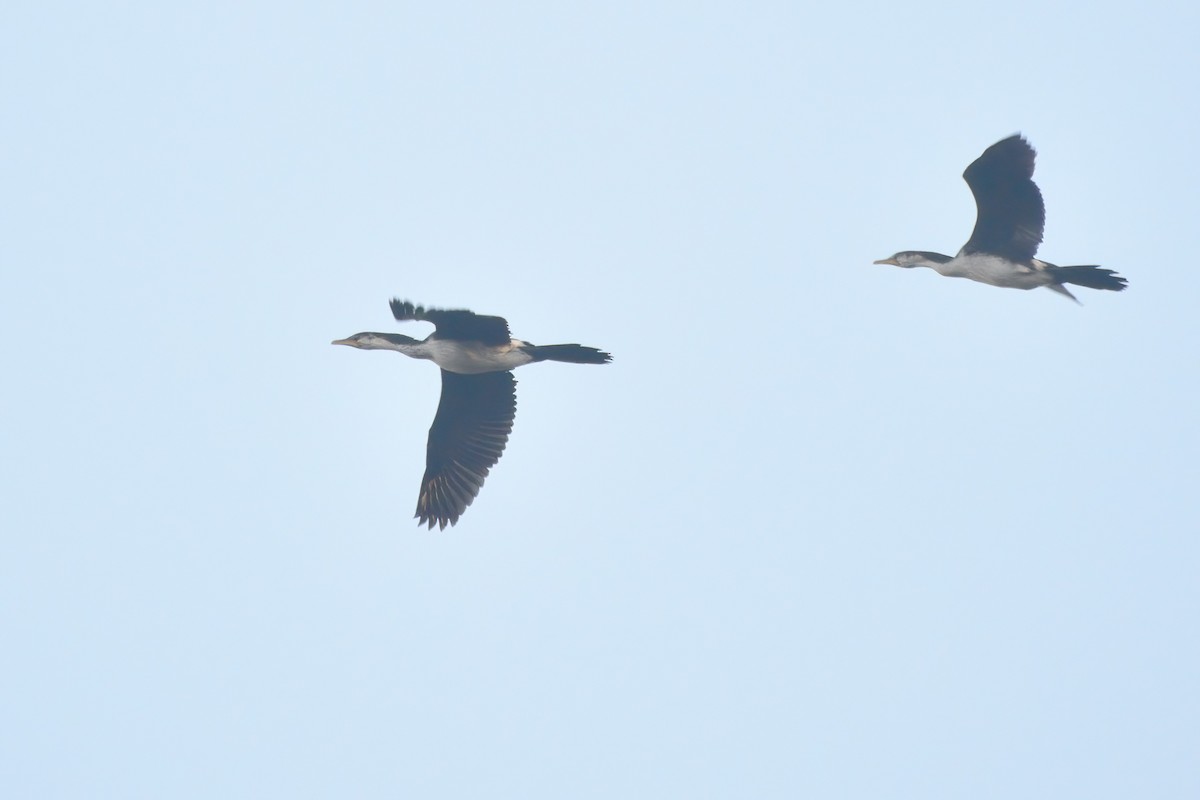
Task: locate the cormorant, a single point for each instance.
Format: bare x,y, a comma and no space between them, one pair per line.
1008,229
479,398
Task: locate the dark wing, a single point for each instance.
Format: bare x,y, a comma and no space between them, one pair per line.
456,324
474,418
1011,215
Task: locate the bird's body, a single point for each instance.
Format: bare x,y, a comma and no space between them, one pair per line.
470,358
478,404
1008,229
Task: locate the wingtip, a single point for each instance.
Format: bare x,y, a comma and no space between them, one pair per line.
429,520
403,310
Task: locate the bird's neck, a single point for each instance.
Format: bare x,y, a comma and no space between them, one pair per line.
935,261
414,349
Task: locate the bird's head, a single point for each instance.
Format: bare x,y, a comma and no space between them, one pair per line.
905,258
376,341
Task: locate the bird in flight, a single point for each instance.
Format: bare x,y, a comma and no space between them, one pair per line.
1008,229
479,397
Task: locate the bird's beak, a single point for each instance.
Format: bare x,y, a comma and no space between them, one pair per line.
892,261
349,342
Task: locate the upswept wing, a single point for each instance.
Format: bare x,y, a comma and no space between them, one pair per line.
455,323
469,432
1010,213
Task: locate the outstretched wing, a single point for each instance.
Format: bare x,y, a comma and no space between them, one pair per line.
470,430
1010,213
456,323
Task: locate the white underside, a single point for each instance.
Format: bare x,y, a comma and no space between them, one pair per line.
471,358
996,271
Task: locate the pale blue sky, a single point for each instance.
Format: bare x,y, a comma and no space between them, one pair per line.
823,529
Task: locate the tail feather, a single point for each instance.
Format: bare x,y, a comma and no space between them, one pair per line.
1091,276
571,353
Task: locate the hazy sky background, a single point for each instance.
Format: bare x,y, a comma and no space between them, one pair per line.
823,529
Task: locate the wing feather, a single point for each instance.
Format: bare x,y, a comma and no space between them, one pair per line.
470,430
456,323
1011,215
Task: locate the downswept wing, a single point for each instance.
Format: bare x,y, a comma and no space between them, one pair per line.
469,432
1010,213
457,324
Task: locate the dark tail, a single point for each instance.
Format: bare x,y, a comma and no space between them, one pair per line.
571,353
1091,276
